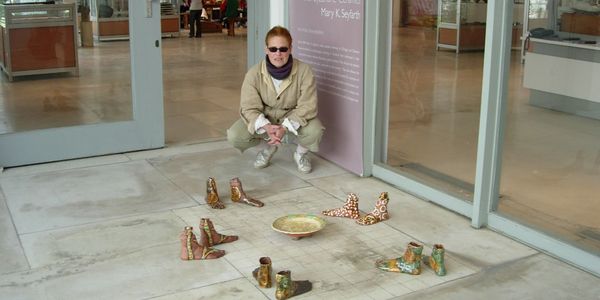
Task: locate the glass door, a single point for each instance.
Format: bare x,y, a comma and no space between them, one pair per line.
64,101
430,121
550,157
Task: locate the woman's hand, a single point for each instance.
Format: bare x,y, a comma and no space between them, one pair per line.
275,133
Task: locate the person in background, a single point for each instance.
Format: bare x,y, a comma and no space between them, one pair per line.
195,15
278,104
230,14
183,7
244,10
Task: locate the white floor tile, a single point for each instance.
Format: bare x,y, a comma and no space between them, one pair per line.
72,197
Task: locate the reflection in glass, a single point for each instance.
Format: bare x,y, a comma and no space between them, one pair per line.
551,155
433,111
49,81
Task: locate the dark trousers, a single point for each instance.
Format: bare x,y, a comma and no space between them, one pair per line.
195,24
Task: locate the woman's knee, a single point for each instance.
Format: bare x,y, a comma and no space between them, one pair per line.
238,132
311,134
239,137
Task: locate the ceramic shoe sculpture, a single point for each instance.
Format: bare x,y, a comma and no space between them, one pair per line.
210,237
409,263
191,250
349,210
262,274
436,260
380,213
212,196
286,288
238,194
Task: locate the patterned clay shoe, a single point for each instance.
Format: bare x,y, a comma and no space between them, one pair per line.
212,196
409,263
286,288
380,213
349,210
238,194
210,237
191,250
436,260
262,274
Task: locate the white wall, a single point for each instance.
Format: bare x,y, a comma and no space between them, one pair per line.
277,11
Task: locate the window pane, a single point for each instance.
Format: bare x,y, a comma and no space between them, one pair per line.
435,97
551,156
55,81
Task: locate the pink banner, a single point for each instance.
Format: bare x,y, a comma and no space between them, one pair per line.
328,35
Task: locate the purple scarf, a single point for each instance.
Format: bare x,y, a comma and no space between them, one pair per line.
280,73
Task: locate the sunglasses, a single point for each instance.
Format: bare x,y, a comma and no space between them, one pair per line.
281,49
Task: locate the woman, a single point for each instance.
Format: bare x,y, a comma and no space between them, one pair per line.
278,103
230,13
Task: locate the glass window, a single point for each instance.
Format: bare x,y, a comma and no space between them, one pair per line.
435,97
49,80
551,154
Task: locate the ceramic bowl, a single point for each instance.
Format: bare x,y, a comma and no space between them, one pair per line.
298,225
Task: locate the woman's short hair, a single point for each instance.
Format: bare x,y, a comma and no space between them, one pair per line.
278,31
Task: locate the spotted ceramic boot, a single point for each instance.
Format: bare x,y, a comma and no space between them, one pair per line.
409,263
210,237
349,210
212,196
380,213
262,274
191,250
286,288
436,260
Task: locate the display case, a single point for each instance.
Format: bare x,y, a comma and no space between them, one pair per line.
568,21
461,24
562,57
169,14
110,18
38,39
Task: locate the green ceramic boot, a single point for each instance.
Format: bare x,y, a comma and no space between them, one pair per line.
436,260
286,288
409,263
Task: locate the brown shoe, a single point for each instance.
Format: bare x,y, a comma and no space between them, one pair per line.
212,196
262,274
238,194
210,237
191,250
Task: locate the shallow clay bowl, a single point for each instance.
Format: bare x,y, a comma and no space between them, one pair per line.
298,225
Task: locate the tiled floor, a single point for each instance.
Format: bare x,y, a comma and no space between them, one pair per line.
550,161
107,228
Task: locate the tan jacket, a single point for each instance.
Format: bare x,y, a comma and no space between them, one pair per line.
297,99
